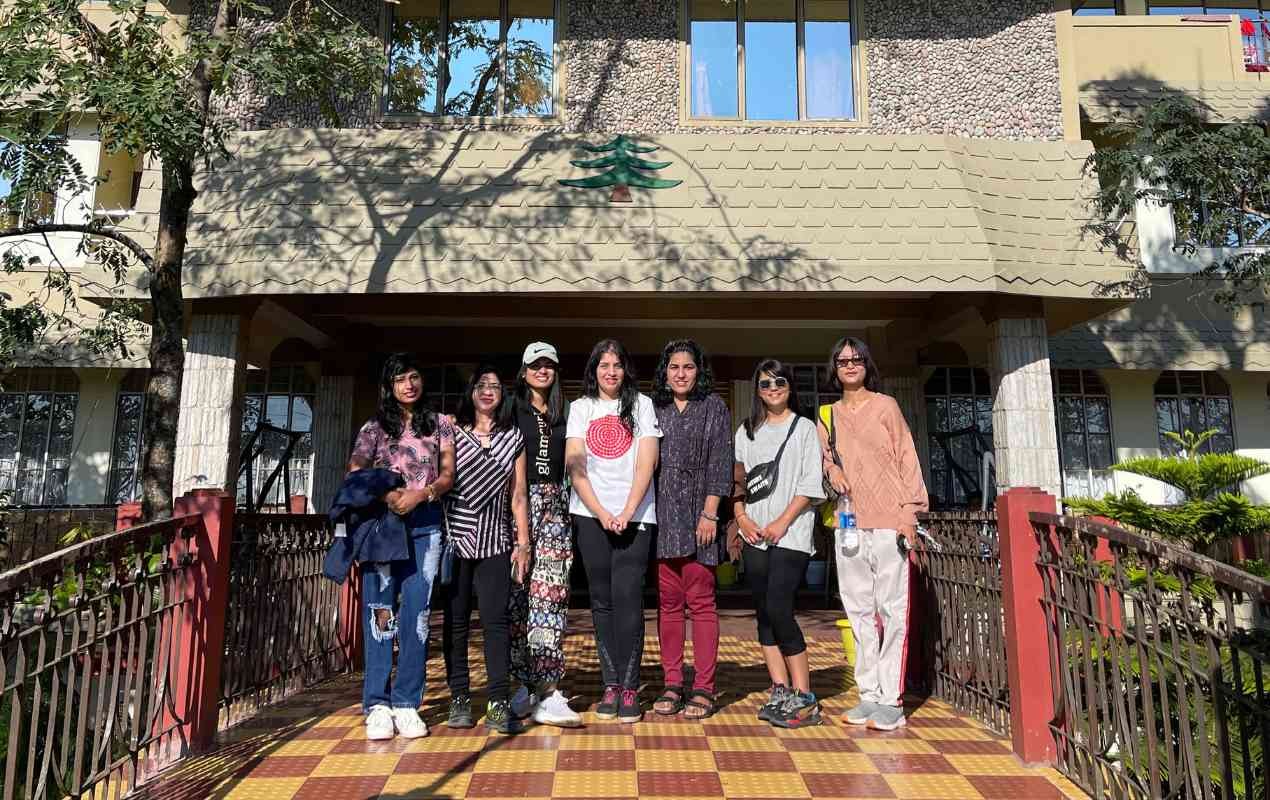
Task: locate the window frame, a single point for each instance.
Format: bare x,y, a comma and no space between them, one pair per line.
264,467
948,499
860,84
57,394
1221,8
1163,443
559,8
1084,395
127,388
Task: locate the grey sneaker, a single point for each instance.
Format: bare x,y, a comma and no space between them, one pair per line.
460,712
498,717
861,713
887,718
780,693
799,710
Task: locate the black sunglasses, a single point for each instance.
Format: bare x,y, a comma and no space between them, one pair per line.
856,361
779,383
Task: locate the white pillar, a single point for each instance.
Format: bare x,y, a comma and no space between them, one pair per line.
1025,443
208,433
910,394
332,438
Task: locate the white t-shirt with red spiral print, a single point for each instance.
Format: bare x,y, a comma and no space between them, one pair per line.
610,453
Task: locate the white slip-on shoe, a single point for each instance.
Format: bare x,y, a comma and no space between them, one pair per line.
409,725
554,710
379,723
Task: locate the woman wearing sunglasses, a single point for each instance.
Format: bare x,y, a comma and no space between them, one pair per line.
539,607
778,464
487,523
872,461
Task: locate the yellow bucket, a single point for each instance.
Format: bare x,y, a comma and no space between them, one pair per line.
848,641
726,573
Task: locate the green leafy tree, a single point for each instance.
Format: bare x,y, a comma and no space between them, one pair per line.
155,94
1210,511
1214,177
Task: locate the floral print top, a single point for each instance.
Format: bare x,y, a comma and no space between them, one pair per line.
696,461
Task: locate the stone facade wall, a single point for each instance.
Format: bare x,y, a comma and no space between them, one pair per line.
960,67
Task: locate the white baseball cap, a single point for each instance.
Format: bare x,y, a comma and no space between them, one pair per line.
539,350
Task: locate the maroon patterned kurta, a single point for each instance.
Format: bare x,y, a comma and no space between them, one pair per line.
696,461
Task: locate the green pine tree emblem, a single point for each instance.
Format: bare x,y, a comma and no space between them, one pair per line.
625,169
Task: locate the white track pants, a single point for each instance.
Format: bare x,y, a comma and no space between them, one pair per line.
873,583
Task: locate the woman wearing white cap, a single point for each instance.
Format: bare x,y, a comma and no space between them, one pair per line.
540,606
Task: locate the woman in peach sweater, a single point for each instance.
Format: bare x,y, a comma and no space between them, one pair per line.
874,463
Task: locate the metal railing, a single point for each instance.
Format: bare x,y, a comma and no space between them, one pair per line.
88,657
282,627
1161,660
958,616
1255,34
29,532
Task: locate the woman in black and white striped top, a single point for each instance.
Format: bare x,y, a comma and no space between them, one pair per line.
486,507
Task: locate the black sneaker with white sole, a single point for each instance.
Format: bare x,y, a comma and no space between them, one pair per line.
460,712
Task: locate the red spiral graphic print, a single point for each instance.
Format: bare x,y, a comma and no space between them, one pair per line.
607,437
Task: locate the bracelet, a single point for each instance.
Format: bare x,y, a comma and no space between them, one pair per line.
519,546
711,517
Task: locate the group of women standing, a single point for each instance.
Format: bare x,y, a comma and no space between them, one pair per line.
517,482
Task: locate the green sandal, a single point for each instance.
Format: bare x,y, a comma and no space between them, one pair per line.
668,696
707,708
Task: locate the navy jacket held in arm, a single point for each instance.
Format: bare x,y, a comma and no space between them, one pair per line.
374,532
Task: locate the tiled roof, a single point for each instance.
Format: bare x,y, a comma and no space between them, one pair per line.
1229,100
405,211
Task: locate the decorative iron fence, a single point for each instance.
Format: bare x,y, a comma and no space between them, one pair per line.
29,532
283,622
88,657
957,605
1161,660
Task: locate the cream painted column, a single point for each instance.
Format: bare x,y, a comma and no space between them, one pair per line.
209,430
911,397
1025,443
332,437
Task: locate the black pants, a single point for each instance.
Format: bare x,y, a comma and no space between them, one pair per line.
490,580
615,566
774,575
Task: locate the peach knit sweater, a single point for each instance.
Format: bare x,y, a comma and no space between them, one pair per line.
876,449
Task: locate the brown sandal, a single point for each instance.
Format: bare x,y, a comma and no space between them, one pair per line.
707,708
674,695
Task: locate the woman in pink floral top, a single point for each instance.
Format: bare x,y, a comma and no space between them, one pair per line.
408,438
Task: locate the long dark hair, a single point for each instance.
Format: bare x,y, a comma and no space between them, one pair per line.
629,391
423,422
555,396
872,377
466,414
662,395
758,411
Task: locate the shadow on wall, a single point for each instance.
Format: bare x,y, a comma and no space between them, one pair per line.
449,228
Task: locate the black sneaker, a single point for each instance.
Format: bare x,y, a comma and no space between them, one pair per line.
798,711
629,711
499,717
460,712
780,693
607,709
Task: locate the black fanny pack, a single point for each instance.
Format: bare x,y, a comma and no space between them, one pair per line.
760,480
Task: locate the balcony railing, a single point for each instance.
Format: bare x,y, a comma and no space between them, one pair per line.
1255,33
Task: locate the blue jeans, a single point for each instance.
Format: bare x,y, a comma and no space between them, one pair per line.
383,616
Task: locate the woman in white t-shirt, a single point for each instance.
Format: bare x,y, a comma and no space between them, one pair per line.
611,452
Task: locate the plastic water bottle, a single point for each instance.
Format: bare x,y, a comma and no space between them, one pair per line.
846,532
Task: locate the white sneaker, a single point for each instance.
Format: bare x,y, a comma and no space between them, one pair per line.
408,723
379,723
554,710
523,703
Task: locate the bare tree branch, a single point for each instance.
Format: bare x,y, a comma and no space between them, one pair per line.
90,230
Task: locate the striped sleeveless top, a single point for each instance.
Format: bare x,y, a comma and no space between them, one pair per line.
478,510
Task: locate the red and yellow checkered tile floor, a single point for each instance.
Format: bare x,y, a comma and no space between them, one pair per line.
313,746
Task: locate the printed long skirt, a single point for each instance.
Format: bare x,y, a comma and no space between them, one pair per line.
539,607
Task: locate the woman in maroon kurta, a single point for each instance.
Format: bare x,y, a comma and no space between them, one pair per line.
694,474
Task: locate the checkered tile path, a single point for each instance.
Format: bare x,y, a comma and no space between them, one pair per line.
313,746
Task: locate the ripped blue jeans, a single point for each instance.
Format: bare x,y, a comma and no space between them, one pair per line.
385,618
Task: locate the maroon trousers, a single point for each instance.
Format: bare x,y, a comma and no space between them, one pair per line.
685,583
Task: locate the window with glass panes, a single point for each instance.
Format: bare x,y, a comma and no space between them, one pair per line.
444,58
443,385
1096,8
1082,411
126,444
1248,9
1194,401
771,60
811,381
959,421
37,435
281,396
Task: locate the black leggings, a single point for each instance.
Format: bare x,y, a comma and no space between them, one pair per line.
490,580
774,575
615,566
